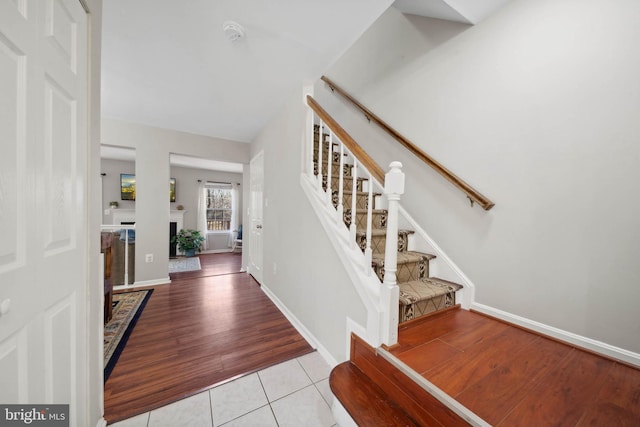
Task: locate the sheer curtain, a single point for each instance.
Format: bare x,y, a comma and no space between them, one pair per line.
235,214
201,224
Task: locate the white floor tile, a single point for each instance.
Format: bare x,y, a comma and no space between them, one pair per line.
283,379
194,411
325,390
303,408
137,421
236,398
315,366
262,417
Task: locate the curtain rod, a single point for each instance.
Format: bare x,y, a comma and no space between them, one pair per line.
218,182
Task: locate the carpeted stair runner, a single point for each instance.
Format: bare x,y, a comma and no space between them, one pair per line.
420,294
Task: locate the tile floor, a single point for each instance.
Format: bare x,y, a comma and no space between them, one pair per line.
293,393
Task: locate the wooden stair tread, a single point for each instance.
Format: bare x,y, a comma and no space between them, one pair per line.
417,403
426,288
377,232
365,402
405,257
361,193
373,211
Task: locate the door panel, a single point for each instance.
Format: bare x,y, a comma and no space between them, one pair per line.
256,177
43,175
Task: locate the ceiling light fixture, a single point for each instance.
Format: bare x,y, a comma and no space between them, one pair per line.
233,31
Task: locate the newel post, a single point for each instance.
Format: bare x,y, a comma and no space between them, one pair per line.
393,189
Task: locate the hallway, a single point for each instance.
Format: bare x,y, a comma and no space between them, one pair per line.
195,333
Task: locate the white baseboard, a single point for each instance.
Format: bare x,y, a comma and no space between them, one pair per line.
101,423
306,334
143,284
216,251
568,337
340,415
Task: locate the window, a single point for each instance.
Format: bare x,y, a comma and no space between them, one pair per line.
219,207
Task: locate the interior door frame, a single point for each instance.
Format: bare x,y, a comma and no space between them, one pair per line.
255,268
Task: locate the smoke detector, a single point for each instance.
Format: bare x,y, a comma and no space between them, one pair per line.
233,31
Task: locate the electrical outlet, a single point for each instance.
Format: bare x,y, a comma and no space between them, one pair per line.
148,258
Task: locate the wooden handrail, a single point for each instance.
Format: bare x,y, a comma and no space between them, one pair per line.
357,151
471,193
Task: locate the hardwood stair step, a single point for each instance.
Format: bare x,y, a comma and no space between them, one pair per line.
425,296
379,239
411,265
399,392
378,218
366,403
361,198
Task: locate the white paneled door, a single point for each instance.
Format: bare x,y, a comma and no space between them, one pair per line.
43,179
256,178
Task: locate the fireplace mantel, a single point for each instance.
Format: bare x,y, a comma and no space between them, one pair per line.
118,216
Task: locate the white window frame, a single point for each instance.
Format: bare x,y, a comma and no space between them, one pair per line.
218,186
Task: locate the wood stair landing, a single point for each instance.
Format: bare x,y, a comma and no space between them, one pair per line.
503,374
376,393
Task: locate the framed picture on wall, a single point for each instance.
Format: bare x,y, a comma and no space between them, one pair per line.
172,190
128,187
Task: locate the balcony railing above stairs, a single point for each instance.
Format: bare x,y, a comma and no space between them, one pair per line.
339,150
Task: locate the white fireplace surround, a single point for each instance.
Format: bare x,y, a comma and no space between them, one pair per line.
118,216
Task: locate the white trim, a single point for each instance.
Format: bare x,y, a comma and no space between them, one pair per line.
433,390
366,285
355,328
215,251
568,337
467,293
101,422
306,334
340,415
143,284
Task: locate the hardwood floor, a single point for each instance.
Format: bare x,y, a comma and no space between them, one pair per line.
509,376
213,265
196,332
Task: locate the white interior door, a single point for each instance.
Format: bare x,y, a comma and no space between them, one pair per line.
43,169
256,178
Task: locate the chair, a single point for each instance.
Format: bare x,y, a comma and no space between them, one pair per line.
237,242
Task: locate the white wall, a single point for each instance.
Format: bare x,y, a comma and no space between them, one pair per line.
300,266
186,193
538,107
153,147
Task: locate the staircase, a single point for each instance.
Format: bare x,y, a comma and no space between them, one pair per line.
419,293
445,366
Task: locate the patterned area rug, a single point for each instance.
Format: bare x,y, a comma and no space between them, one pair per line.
180,265
127,308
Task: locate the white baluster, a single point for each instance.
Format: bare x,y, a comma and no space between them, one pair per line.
329,163
320,144
340,207
352,226
393,189
310,141
368,255
126,257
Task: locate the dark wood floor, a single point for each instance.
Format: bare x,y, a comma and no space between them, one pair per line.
195,333
511,377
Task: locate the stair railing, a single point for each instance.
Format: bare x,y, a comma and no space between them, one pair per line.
472,194
362,166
